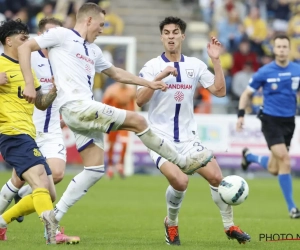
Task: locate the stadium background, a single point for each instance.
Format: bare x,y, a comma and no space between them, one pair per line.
131,37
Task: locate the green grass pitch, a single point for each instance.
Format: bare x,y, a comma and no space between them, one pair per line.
128,214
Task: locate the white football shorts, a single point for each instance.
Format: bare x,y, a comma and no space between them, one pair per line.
89,119
51,145
181,148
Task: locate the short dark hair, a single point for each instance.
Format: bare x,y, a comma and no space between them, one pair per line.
44,21
282,36
12,27
173,20
89,8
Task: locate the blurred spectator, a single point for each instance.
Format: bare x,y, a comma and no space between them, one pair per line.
202,101
47,11
230,31
294,23
267,44
260,5
207,8
12,7
62,7
240,80
70,21
256,30
242,56
281,14
223,10
114,25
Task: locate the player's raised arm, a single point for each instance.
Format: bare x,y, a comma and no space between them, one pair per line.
43,101
214,50
123,76
24,54
50,38
144,95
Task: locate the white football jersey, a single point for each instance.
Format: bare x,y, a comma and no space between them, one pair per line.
47,121
74,62
172,112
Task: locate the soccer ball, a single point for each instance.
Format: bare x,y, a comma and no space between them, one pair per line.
233,190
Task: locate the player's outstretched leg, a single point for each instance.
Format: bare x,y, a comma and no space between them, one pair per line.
188,164
214,176
248,158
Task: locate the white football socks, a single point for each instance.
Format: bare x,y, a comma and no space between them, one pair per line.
7,193
174,199
77,188
160,146
25,190
226,210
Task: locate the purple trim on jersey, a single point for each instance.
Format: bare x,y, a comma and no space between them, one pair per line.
85,48
85,145
50,67
157,161
110,127
89,81
163,56
176,122
47,121
178,77
76,32
41,53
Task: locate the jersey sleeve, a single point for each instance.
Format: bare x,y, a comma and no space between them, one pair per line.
101,63
37,84
147,73
206,78
51,38
256,81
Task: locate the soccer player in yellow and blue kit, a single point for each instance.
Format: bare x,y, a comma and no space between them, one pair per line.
280,82
17,133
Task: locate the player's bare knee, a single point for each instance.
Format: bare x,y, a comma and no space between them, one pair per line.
140,123
215,179
15,180
179,182
273,171
57,174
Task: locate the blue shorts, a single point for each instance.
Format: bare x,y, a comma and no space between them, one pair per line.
22,153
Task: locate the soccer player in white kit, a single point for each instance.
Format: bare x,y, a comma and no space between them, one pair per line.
171,116
49,136
74,59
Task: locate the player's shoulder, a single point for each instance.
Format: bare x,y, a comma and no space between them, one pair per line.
294,66
267,68
194,61
152,62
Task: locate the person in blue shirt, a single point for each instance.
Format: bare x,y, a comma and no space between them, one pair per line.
280,83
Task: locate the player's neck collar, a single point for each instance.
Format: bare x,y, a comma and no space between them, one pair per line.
163,56
76,32
9,58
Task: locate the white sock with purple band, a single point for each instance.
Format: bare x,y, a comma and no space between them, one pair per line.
226,210
174,199
77,188
7,194
25,190
158,145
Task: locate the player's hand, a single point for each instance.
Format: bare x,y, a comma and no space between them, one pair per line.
240,124
3,78
214,48
29,93
168,71
158,85
62,123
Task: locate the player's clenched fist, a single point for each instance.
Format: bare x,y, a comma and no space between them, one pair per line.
3,78
158,85
168,71
29,93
